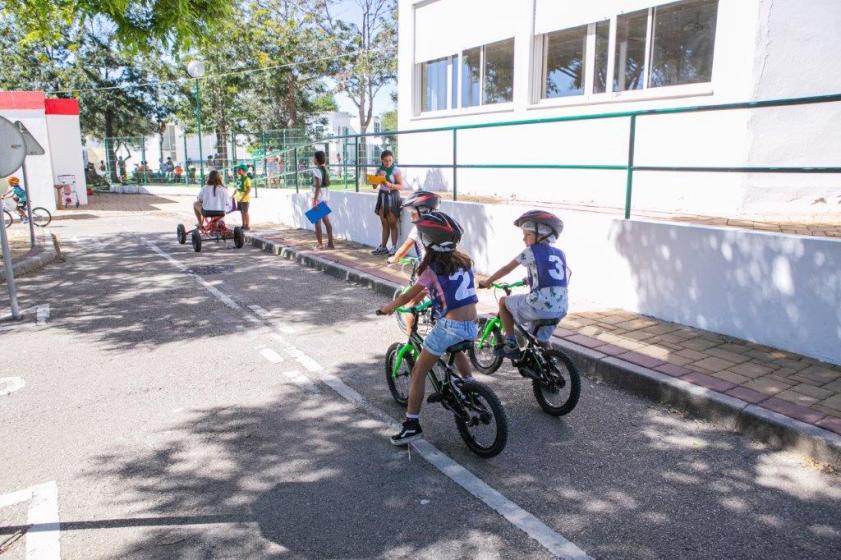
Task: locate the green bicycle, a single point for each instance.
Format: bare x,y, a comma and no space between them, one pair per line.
479,415
555,380
425,317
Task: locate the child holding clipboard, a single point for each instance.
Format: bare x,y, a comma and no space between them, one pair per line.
320,182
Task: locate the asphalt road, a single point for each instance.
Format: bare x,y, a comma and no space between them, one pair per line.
186,407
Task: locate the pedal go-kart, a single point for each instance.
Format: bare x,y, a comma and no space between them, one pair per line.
212,228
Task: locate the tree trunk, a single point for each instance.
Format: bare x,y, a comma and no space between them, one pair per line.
110,152
291,102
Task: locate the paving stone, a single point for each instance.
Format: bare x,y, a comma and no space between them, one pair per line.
700,344
611,349
673,370
562,332
751,369
635,324
714,364
729,356
736,348
784,372
639,335
691,355
734,378
832,423
812,391
613,319
797,398
678,360
747,395
656,352
670,338
585,340
708,381
802,413
833,386
641,359
662,328
820,375
833,402
768,386
590,330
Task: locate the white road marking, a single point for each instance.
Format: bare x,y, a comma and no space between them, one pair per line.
42,539
267,315
272,356
42,313
9,385
551,540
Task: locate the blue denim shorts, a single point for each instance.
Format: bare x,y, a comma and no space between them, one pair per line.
445,333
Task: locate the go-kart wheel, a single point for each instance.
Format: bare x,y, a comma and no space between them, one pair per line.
196,241
239,237
181,232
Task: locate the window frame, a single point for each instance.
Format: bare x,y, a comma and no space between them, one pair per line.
539,62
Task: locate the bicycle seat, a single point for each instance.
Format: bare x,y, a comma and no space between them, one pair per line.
546,322
460,346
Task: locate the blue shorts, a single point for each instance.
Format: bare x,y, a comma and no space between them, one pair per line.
445,333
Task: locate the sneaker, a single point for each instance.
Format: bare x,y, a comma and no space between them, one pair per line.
410,432
379,251
509,351
392,251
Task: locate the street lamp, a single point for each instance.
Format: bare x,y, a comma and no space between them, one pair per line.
195,68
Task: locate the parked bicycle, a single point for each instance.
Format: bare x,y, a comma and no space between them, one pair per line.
555,380
41,217
479,415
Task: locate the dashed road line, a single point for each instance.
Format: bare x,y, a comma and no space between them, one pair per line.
42,537
9,385
551,540
42,313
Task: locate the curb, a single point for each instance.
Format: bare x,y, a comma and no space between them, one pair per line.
35,261
728,412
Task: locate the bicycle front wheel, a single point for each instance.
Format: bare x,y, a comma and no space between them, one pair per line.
483,353
7,218
485,428
559,388
398,382
41,217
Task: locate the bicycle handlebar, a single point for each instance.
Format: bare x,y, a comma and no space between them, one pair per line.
507,285
409,261
423,306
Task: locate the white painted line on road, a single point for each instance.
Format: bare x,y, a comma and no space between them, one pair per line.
266,316
42,538
301,381
9,385
42,313
272,356
551,540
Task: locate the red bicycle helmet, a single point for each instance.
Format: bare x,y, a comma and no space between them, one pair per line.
533,219
439,232
422,201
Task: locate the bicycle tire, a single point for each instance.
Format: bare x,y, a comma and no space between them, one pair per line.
574,383
41,217
7,218
473,389
400,396
487,364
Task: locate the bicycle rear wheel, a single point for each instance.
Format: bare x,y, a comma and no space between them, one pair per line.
7,218
41,217
398,384
558,391
485,431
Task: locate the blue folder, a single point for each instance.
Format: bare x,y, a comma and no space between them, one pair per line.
315,214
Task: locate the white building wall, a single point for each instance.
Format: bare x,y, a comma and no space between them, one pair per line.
754,48
65,139
39,169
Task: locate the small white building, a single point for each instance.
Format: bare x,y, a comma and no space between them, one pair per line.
482,61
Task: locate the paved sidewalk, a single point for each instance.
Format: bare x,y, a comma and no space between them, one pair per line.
794,386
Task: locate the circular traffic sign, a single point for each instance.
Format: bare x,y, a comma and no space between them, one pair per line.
12,148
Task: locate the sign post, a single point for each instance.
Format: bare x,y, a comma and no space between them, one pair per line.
33,148
12,155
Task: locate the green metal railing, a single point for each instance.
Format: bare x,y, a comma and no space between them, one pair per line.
629,166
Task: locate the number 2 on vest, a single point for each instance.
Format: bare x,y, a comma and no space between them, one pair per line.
465,290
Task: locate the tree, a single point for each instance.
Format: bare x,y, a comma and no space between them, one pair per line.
138,24
372,41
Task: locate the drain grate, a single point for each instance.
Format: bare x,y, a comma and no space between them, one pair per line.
211,269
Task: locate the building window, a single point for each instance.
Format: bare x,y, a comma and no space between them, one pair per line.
499,72
434,84
601,55
682,46
471,77
631,31
564,62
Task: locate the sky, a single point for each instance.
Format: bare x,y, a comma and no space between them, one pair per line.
348,10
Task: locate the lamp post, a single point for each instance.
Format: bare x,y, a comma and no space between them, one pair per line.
195,68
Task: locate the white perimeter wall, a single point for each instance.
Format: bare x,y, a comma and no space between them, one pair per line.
775,289
38,168
763,50
66,151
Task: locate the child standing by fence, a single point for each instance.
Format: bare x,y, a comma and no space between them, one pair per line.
320,184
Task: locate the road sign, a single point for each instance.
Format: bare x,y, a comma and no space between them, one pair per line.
12,148
33,148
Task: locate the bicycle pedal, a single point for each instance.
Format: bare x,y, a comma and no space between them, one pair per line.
434,398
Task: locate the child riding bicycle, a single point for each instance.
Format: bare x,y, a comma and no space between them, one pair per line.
18,194
447,274
548,278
